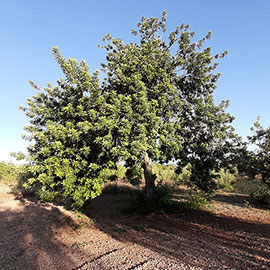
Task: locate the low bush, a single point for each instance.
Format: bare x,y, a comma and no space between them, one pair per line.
117,187
198,199
11,173
165,173
226,180
258,191
161,201
260,194
184,177
244,186
8,172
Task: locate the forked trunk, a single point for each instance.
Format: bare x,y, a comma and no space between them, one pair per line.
149,177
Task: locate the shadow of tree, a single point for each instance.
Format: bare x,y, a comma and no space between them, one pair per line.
232,198
27,236
239,200
198,238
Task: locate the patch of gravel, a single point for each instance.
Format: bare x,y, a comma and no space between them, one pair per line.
42,236
132,257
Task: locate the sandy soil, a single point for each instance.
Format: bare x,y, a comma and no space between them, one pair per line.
37,235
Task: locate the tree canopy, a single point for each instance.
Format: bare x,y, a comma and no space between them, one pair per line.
258,161
155,104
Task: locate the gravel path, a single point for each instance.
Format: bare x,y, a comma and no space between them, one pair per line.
35,235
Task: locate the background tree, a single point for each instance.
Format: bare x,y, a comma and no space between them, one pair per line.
259,159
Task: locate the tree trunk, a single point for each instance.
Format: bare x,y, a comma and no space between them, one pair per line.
149,177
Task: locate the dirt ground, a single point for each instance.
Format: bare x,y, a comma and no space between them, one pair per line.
37,235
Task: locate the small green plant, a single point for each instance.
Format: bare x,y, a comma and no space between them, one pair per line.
198,199
165,173
226,180
184,177
246,204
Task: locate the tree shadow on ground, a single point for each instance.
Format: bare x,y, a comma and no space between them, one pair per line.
27,235
240,200
232,198
198,238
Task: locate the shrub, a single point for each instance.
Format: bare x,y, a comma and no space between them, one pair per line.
11,173
260,194
115,188
165,173
8,172
134,175
184,177
198,199
258,191
244,186
161,201
162,198
226,180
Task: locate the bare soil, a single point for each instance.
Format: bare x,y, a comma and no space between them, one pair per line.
37,235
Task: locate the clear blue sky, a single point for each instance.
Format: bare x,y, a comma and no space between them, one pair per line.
29,29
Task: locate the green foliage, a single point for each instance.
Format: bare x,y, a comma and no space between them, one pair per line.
167,87
226,179
161,201
120,172
134,175
70,135
184,177
258,161
10,173
244,186
257,190
117,174
156,101
162,198
197,200
261,194
165,173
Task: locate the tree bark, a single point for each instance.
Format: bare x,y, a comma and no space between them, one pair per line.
149,177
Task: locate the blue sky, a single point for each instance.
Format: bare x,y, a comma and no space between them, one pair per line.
29,29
